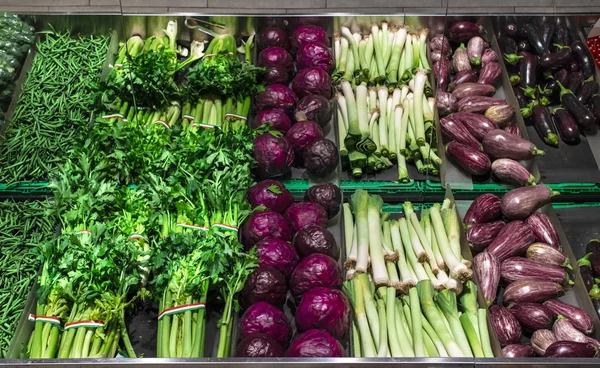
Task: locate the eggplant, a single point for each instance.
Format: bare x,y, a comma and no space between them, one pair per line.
541,339
446,103
593,246
436,56
595,297
570,349
580,112
587,274
524,45
520,96
545,254
542,121
528,71
473,89
520,203
573,66
508,47
490,73
475,50
511,29
546,31
583,56
441,71
479,236
543,229
440,43
594,106
514,79
534,38
500,144
463,31
566,125
556,59
505,324
460,60
523,269
565,331
478,103
489,56
487,269
500,114
512,172
471,160
531,291
453,130
518,351
532,316
587,90
465,76
485,208
513,128
513,240
577,316
574,81
477,124
561,35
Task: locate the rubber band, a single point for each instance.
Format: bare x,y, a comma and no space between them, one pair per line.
86,323
205,126
188,117
209,55
181,309
225,227
163,123
236,116
114,116
80,232
45,319
135,236
190,226
115,66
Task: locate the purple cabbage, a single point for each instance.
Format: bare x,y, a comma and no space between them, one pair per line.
276,56
302,134
307,34
276,74
315,239
273,36
301,214
264,224
270,193
276,96
316,108
315,344
277,117
327,195
278,254
312,81
321,157
315,55
265,284
274,155
259,346
316,270
264,318
325,309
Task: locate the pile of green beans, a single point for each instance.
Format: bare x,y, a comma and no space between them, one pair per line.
23,226
54,107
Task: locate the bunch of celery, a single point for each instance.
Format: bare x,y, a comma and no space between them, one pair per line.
399,253
424,323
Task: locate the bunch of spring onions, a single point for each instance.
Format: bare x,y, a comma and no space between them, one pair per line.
380,127
400,253
424,323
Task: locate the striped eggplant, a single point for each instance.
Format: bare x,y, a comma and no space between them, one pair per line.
500,144
520,203
441,71
518,351
479,103
513,240
513,128
487,271
500,114
453,130
440,43
480,236
477,124
465,76
460,60
543,229
577,316
485,208
541,339
521,269
490,73
475,50
565,331
532,316
473,89
489,56
446,103
531,291
571,349
512,172
505,324
469,159
545,254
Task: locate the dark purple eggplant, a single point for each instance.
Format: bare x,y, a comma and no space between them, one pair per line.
524,45
584,57
489,56
446,103
465,76
571,349
511,29
463,31
475,50
500,114
531,291
478,103
534,38
594,106
555,59
513,240
520,203
441,71
505,324
577,316
566,126
542,121
480,236
453,130
490,73
532,316
500,144
485,208
471,160
520,96
546,30
541,339
561,35
587,274
593,248
513,128
595,297
580,112
543,229
545,254
522,269
574,81
528,71
587,90
514,79
508,47
477,124
518,351
565,331
473,89
512,172
573,66
487,270
460,59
